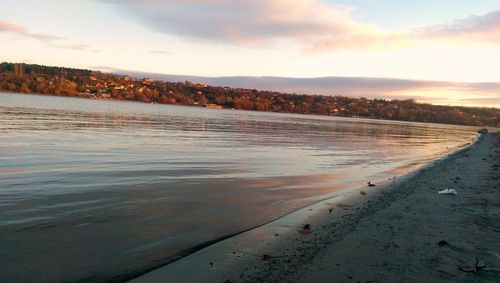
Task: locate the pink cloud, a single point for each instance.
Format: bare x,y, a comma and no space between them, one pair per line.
6,26
49,40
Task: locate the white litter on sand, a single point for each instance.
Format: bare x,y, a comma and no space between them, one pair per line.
448,192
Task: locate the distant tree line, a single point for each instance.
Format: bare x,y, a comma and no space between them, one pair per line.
45,70
90,84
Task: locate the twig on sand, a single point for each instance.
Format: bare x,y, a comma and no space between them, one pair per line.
442,271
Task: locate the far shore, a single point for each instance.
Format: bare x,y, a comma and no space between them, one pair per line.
400,231
214,108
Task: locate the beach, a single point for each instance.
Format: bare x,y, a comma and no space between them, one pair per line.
401,230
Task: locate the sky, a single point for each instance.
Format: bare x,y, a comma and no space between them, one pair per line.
438,40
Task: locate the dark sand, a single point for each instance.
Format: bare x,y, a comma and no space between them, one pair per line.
401,231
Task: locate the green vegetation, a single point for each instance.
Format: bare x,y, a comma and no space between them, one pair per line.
91,84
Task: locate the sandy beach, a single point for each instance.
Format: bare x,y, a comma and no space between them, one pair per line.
399,231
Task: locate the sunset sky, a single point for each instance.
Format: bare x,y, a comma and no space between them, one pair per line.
439,40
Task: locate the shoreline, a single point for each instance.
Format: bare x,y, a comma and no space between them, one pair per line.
264,251
247,110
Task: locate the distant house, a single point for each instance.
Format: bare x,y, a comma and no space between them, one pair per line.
105,95
147,80
200,86
213,106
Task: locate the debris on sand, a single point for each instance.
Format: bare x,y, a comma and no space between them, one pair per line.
443,243
343,205
306,229
448,192
265,257
478,266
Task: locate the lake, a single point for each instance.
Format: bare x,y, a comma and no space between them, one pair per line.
94,190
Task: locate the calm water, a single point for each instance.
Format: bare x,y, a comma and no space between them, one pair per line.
98,190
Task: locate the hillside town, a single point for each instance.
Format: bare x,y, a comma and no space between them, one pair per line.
37,79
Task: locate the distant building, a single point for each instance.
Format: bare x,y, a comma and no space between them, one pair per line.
214,106
19,69
147,80
200,86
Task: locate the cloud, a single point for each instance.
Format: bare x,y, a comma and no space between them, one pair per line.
316,25
49,40
484,28
19,30
160,52
437,92
45,37
247,22
6,26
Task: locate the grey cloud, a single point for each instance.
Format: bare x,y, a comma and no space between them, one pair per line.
477,93
483,27
160,52
46,38
244,22
80,47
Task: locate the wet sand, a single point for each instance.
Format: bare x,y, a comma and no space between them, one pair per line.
401,231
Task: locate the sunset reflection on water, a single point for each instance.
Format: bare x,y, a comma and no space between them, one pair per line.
91,190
